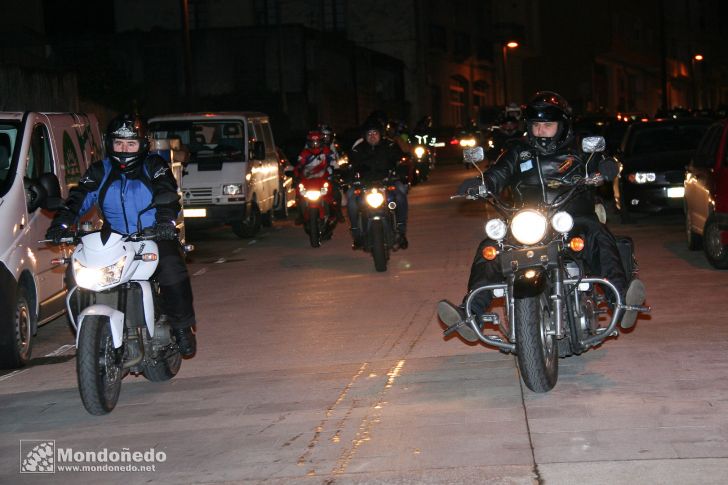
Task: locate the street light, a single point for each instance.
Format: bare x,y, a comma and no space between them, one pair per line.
512,44
697,101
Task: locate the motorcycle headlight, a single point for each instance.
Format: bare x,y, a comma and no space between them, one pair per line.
528,227
91,278
496,229
419,152
232,189
562,222
375,198
312,195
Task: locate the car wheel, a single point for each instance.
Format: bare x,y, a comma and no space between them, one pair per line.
715,250
249,226
17,333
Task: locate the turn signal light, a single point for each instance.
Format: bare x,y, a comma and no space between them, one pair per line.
149,257
357,191
576,244
489,253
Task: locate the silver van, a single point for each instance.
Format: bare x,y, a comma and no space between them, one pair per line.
42,155
231,176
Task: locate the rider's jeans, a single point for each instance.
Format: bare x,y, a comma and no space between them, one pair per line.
400,198
174,285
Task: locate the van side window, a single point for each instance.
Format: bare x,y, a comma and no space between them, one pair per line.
40,157
268,138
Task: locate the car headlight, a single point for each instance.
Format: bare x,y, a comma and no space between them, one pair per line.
496,229
312,195
232,189
562,222
375,198
91,278
419,152
467,142
642,177
528,227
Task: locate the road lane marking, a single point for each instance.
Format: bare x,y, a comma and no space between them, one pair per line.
221,260
329,412
250,243
200,272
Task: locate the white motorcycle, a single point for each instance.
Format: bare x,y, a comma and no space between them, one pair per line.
113,307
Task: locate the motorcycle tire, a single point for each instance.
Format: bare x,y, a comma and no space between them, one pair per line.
537,351
163,369
314,235
99,366
379,246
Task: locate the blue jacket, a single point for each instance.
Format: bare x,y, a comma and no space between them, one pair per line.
120,198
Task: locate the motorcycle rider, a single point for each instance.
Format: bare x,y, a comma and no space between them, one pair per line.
329,140
503,135
316,160
122,185
547,153
373,157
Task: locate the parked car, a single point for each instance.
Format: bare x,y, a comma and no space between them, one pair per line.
706,196
42,155
653,157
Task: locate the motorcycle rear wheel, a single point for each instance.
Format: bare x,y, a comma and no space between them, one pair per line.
537,351
379,247
314,235
99,366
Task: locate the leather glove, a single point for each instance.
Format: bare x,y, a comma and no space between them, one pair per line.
57,232
469,185
164,231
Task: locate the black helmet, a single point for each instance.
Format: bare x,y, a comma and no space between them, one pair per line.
127,127
549,106
327,133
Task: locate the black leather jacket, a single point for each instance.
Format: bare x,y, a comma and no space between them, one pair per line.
536,179
374,162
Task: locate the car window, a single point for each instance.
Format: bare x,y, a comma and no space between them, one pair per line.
219,140
40,157
8,135
665,139
706,152
268,138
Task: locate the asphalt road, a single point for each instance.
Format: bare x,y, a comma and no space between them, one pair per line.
313,368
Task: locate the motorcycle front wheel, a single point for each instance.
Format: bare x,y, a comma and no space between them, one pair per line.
379,247
537,348
314,235
99,366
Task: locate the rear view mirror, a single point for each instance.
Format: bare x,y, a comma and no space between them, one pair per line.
473,155
593,144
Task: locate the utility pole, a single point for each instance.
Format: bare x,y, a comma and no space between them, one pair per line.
189,91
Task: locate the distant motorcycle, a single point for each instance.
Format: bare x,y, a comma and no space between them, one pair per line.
552,305
114,309
423,163
317,207
378,219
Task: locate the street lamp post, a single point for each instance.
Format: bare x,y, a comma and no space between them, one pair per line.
506,45
697,98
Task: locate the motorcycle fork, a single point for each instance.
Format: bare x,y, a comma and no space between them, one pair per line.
557,299
133,337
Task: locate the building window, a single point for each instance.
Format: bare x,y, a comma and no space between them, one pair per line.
458,100
480,91
438,37
334,18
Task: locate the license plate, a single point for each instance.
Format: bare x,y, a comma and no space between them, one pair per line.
676,192
195,213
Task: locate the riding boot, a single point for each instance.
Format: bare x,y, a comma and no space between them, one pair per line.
357,241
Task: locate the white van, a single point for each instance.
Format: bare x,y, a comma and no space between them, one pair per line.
232,173
42,155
